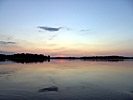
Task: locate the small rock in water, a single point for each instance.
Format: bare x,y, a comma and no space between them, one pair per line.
52,88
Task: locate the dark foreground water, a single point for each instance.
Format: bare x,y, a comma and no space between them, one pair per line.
66,80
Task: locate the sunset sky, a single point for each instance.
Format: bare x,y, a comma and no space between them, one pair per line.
67,27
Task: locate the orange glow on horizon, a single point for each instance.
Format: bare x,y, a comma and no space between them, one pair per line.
92,54
59,56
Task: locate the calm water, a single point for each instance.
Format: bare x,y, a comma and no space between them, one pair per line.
66,80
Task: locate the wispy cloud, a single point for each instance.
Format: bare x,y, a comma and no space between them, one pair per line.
50,29
6,52
4,42
84,30
52,37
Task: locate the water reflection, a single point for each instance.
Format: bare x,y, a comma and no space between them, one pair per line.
67,80
31,61
63,60
49,89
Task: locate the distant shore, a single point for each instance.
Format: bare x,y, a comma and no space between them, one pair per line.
27,58
93,57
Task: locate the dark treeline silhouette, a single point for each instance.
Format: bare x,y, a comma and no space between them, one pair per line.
2,57
30,58
97,58
25,58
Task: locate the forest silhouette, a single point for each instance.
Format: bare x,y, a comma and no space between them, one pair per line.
30,58
25,58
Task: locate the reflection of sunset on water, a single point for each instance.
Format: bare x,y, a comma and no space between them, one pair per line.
71,77
92,63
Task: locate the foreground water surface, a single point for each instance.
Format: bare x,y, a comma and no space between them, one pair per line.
66,80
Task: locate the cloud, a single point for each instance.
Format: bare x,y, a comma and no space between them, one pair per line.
6,52
52,37
66,28
85,30
4,42
50,29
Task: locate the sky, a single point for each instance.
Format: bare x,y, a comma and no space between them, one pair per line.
67,27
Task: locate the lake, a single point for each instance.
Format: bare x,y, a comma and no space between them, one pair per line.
67,80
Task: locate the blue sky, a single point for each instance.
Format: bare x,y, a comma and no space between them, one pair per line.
84,27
